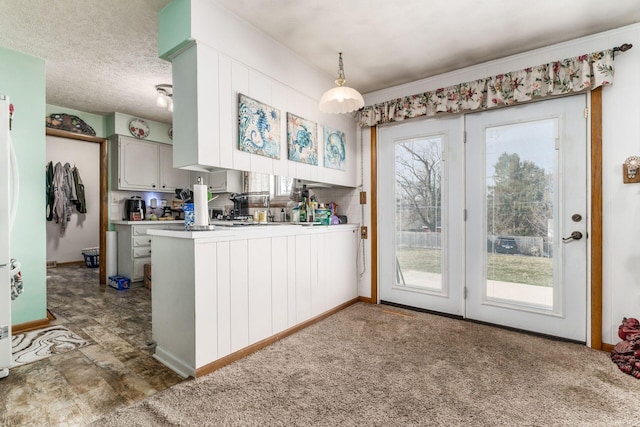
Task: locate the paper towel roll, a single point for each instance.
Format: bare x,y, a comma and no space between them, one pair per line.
111,266
200,207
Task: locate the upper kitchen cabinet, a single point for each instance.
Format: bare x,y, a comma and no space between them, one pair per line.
170,177
226,181
207,82
144,166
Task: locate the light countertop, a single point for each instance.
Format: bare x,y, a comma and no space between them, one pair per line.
123,222
221,233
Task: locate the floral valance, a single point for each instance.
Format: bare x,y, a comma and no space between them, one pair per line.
571,75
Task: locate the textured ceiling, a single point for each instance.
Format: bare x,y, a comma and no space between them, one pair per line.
101,56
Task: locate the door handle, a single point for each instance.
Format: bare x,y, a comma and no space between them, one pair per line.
576,235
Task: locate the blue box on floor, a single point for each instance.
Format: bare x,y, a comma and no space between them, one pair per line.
119,282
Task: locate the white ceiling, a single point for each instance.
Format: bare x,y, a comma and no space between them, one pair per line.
101,56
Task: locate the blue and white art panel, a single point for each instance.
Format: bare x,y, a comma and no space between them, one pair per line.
302,139
258,127
335,153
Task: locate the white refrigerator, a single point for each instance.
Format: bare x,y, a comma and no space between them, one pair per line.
8,184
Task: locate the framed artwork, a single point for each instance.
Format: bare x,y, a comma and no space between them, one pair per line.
258,127
335,153
302,139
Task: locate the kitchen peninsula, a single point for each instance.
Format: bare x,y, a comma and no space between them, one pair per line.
219,295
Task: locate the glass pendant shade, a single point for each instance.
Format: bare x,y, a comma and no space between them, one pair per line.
341,99
165,96
162,100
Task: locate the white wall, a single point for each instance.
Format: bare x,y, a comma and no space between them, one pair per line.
621,138
83,231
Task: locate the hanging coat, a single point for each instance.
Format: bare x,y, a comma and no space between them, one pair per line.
49,190
81,204
60,199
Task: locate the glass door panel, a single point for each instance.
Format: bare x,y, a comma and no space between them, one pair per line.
520,161
418,212
420,226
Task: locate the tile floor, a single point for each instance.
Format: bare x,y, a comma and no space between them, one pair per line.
79,386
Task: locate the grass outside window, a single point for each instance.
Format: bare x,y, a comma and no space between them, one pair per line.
531,270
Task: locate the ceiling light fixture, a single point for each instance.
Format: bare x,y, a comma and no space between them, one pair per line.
341,99
165,96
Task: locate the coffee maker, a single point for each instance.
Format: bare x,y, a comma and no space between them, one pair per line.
240,205
134,209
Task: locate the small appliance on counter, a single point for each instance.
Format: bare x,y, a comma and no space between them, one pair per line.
134,209
240,205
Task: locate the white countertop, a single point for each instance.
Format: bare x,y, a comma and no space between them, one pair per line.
156,222
221,233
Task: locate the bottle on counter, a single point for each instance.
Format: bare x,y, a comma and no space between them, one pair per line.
283,215
311,212
303,210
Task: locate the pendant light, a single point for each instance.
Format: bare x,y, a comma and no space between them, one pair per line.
341,99
165,96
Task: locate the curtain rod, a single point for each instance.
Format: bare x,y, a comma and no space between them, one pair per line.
622,48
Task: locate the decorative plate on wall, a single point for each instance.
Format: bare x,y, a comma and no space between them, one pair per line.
69,123
139,128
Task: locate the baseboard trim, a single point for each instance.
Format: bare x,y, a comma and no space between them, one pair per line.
30,326
173,363
368,300
607,347
217,364
68,263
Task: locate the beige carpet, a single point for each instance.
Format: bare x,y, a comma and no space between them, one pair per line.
383,366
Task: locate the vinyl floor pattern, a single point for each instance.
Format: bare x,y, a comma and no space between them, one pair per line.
79,386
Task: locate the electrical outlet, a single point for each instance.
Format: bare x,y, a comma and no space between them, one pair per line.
114,199
363,197
363,232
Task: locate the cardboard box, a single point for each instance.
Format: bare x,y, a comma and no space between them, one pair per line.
119,282
147,276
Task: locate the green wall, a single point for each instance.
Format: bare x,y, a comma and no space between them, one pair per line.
174,28
22,78
118,123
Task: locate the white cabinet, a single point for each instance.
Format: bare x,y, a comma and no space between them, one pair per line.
208,129
235,291
137,164
134,248
145,166
224,181
170,177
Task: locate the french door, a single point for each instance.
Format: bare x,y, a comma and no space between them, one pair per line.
421,229
493,229
526,222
